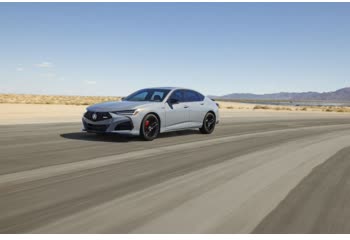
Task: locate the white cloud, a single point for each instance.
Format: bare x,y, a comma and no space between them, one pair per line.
44,65
90,82
19,69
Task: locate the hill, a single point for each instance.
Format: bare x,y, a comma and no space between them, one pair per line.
338,95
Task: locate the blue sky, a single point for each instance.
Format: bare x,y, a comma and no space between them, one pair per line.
216,48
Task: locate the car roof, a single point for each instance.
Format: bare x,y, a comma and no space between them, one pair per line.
175,88
170,88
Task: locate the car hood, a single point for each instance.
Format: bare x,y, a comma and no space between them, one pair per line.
115,106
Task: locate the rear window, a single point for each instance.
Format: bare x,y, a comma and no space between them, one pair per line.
193,96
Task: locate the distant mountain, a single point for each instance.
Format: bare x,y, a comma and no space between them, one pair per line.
339,95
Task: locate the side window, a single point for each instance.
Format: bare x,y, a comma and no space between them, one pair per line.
192,96
178,95
200,97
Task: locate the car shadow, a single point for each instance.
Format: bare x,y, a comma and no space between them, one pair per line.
121,138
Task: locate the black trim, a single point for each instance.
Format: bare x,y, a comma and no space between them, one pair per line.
95,128
124,126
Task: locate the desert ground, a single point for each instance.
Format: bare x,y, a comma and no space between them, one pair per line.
261,171
51,113
25,108
53,99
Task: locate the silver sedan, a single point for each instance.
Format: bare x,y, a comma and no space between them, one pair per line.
151,111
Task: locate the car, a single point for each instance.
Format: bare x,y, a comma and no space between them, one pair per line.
151,111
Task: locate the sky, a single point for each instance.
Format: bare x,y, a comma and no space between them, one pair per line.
216,48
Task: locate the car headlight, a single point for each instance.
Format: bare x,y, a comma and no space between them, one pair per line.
126,112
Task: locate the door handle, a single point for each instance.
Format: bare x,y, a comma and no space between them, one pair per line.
186,106
202,103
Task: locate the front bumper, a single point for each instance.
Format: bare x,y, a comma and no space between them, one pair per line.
116,124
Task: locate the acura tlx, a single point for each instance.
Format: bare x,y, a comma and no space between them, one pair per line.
151,111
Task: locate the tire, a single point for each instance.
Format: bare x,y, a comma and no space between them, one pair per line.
208,123
150,127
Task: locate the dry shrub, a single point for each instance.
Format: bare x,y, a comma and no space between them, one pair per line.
53,99
284,108
281,108
261,107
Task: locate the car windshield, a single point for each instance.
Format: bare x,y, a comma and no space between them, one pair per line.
153,95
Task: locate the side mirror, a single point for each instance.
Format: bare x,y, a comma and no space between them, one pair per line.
122,99
173,101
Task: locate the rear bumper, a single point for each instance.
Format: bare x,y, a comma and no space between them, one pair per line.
117,124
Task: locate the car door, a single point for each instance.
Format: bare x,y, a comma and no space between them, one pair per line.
196,106
177,114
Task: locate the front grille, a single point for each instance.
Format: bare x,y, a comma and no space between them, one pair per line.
124,126
96,128
99,116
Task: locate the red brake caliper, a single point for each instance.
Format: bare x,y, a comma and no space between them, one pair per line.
146,123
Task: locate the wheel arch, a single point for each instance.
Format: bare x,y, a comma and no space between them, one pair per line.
158,117
211,111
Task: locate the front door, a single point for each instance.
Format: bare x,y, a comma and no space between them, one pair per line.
177,114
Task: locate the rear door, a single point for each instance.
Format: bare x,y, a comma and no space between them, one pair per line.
196,106
177,115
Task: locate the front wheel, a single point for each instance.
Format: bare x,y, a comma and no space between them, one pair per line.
149,127
208,123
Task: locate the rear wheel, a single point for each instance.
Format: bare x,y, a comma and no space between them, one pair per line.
149,127
208,123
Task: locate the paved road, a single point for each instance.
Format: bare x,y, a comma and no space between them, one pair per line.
270,173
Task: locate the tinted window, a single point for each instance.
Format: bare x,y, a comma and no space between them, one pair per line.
155,95
200,96
178,95
192,96
139,96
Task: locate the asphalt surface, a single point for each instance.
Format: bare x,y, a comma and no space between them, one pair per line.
265,174
319,204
